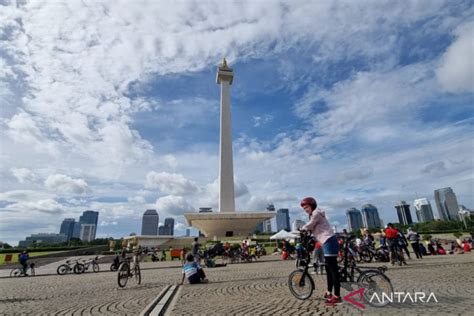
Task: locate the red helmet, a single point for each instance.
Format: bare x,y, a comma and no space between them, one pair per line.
309,201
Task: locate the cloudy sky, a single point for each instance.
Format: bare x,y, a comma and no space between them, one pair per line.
113,106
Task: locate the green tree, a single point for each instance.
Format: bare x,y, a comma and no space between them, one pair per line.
457,234
7,246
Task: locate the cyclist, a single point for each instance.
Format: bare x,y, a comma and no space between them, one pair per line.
24,261
321,229
392,241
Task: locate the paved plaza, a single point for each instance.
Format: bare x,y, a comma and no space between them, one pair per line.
238,289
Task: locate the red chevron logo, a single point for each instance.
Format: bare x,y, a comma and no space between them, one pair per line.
354,302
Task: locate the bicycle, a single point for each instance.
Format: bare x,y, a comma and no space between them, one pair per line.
84,266
301,284
18,272
397,254
125,271
70,265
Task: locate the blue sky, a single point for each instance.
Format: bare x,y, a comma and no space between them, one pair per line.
114,107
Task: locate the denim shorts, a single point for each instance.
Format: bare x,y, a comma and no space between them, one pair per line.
331,247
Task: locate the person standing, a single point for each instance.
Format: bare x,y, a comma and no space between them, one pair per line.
414,240
195,250
319,226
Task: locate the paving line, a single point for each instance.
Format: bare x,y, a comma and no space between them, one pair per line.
158,306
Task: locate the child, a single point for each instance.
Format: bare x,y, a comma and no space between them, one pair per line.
193,271
318,258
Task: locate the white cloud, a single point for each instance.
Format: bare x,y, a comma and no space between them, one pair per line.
173,205
24,195
456,69
24,175
367,99
49,206
65,184
170,183
262,120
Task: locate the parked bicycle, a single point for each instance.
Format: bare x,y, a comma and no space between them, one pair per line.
18,272
129,269
69,266
83,266
301,284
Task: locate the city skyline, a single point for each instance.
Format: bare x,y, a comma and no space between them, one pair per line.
362,103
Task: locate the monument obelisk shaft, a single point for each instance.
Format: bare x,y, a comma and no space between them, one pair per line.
225,77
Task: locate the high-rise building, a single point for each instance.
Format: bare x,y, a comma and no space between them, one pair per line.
88,217
423,210
88,232
354,219
162,230
266,225
169,226
67,227
76,230
370,216
403,213
150,223
188,232
447,204
43,238
297,224
283,219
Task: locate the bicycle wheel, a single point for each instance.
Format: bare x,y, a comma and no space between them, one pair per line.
62,269
15,273
123,272
137,274
79,268
377,287
301,284
95,267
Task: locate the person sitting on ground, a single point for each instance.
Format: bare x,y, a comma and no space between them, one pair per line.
439,249
431,248
466,246
193,271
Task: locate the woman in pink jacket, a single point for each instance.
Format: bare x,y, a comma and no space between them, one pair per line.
319,226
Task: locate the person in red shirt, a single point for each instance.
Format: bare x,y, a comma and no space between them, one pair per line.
391,238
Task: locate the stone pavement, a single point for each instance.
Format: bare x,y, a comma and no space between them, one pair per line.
238,289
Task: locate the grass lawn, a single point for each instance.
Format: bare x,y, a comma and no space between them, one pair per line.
32,255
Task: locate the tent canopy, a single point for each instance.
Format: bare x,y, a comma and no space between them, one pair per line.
283,234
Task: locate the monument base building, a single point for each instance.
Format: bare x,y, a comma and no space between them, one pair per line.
218,225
